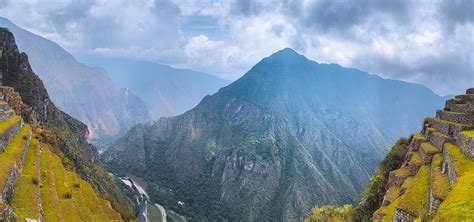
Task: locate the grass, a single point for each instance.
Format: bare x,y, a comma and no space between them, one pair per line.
468,133
460,162
439,181
49,199
11,154
459,204
393,192
388,211
449,122
416,200
416,159
402,172
4,125
154,213
440,134
429,148
408,182
419,136
25,196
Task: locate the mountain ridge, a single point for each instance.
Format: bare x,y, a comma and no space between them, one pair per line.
85,93
288,133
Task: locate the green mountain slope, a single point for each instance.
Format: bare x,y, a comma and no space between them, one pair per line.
290,134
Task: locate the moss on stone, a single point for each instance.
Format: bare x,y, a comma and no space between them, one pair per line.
4,125
415,200
419,136
393,192
428,147
416,158
25,195
439,181
468,133
11,154
402,172
388,212
460,162
459,204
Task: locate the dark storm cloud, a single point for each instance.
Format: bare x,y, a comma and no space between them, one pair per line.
341,15
454,12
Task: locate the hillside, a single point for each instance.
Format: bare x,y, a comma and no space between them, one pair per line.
431,181
54,145
85,93
165,90
290,134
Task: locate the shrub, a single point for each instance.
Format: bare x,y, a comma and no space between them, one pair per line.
67,195
35,181
77,185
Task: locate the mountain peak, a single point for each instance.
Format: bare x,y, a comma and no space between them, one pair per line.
286,52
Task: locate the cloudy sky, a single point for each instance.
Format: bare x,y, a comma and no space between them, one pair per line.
427,41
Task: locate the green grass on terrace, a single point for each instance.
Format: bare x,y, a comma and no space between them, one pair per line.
440,134
25,196
468,133
429,148
419,136
408,182
402,172
11,154
4,125
393,192
415,200
449,122
49,200
416,158
439,181
388,211
459,204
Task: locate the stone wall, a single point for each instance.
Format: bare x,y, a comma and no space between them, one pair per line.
448,168
8,135
401,216
466,144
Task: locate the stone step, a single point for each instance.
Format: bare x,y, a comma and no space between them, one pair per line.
4,115
457,117
416,140
447,127
4,105
465,140
466,98
455,163
470,91
412,203
8,130
392,193
455,107
427,151
11,162
415,162
397,177
438,138
439,183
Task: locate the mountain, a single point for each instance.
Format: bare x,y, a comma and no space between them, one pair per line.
46,164
83,92
166,91
290,134
428,177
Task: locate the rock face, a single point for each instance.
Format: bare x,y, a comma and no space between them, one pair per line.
83,92
165,90
68,135
288,135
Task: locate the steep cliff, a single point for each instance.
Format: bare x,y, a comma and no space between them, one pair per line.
66,135
85,93
290,134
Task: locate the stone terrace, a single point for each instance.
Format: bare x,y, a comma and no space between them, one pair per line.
438,166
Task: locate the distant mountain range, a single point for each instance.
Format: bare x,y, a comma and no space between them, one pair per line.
165,90
85,93
288,135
